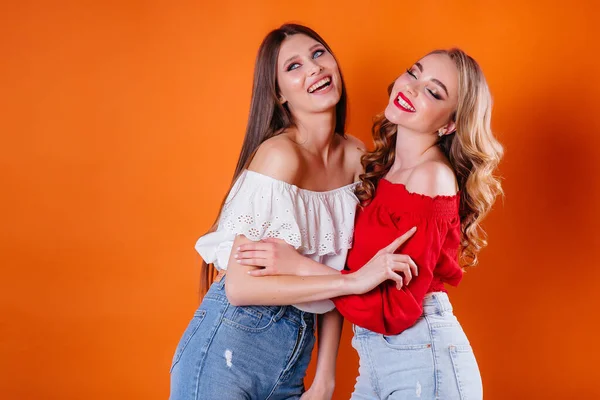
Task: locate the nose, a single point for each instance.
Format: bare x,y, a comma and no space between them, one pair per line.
314,67
411,88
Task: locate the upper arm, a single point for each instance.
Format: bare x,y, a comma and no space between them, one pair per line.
278,158
432,178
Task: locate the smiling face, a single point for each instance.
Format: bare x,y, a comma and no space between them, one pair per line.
425,97
308,77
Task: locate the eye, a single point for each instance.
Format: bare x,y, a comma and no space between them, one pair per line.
411,73
293,66
434,94
318,53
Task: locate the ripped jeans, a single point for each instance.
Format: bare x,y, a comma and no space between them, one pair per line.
254,352
430,360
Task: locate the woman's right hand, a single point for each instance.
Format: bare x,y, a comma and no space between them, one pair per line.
274,256
385,265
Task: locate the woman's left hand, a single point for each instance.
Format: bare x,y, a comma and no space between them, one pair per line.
317,393
275,256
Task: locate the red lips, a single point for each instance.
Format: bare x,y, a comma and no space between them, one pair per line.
400,106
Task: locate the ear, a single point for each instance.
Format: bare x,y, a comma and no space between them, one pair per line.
449,128
282,99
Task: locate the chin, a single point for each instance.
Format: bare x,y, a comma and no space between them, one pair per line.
392,114
326,104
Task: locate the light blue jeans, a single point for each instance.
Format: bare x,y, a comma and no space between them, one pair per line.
431,360
230,353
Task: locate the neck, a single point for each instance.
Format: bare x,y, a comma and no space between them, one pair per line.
316,133
412,148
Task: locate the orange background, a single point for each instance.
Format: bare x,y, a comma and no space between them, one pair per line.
121,123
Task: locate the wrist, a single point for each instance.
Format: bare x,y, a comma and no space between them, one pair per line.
348,284
324,383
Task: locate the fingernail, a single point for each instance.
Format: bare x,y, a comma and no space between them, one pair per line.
414,228
238,249
235,255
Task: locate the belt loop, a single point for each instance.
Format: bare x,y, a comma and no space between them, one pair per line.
447,304
442,303
279,313
438,307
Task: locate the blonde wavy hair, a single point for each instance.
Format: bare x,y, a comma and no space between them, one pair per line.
472,150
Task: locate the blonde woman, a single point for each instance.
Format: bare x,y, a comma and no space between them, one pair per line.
431,168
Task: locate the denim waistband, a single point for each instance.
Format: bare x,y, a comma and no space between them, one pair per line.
436,303
291,313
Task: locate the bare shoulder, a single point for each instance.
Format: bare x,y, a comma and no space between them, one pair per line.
432,178
354,144
354,149
277,157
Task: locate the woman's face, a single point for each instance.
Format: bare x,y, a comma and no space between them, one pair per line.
424,98
307,76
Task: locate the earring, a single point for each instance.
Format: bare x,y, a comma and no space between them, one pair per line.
440,133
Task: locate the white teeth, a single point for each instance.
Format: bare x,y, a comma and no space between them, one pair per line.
319,84
405,104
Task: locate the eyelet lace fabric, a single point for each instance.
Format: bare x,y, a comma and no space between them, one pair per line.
320,225
259,207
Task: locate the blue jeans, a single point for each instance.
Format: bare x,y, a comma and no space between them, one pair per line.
431,360
255,352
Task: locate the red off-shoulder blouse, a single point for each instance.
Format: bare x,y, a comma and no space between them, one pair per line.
434,248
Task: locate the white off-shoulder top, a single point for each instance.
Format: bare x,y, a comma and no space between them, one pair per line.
320,225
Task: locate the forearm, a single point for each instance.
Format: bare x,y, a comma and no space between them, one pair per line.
243,289
309,267
330,331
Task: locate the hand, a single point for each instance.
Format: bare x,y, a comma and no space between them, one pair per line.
274,255
318,392
386,265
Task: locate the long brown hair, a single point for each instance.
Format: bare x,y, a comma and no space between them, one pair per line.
472,150
268,117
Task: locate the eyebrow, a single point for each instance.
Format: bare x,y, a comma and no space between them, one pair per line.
314,46
440,84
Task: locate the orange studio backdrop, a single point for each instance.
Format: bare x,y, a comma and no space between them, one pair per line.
121,124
